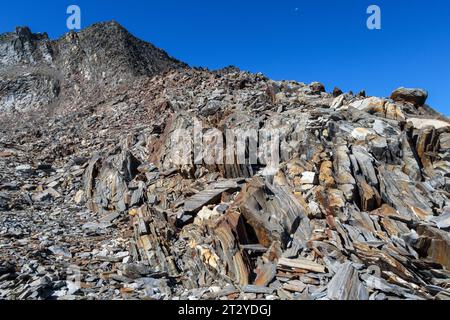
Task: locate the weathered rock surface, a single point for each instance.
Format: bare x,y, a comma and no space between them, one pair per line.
343,198
416,96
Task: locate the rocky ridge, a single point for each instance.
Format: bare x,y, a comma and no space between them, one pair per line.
93,204
38,72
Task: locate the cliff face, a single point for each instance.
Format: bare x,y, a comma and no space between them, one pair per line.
166,181
36,72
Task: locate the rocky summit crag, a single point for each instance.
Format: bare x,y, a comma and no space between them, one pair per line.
94,205
37,72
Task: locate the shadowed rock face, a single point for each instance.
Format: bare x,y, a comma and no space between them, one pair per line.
356,207
61,72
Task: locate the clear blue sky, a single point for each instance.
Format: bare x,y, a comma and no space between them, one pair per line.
313,40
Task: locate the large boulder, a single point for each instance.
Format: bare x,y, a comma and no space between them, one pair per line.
317,87
415,96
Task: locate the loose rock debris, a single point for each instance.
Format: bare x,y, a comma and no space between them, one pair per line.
93,204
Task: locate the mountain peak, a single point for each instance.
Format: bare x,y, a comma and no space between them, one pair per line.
106,24
99,57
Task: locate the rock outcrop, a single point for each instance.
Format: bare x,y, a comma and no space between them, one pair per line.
416,96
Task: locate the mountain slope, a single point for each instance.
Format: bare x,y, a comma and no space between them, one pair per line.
188,183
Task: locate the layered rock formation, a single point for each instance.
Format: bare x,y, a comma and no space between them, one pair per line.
181,182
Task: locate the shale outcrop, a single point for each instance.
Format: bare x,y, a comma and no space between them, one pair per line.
124,173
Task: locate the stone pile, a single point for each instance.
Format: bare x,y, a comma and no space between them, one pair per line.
95,205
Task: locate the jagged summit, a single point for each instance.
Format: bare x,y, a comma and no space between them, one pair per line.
98,58
110,40
98,37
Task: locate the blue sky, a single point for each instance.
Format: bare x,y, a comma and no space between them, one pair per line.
320,40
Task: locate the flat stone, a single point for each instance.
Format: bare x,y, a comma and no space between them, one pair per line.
442,221
60,251
421,123
301,264
361,133
257,289
309,178
208,196
24,168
